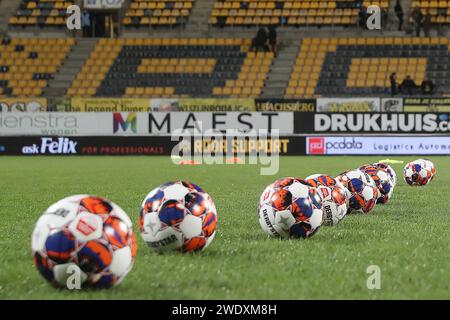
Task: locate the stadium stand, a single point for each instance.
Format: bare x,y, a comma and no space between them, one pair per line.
26,65
438,9
289,12
158,12
361,66
172,67
41,13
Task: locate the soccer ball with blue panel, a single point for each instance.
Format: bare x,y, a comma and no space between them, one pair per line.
362,188
335,197
290,207
85,236
383,180
419,172
178,216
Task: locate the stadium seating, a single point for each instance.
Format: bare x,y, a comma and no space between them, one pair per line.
157,12
289,12
41,12
438,9
361,66
172,67
27,64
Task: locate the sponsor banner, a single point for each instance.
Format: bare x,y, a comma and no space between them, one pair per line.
361,104
202,105
426,104
73,123
283,145
392,105
103,4
110,105
381,145
94,145
23,104
139,123
62,104
162,145
54,123
373,123
295,105
216,105
162,123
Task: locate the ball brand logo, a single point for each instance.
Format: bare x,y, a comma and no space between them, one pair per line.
61,212
49,146
316,146
86,226
328,212
268,223
324,192
163,242
128,125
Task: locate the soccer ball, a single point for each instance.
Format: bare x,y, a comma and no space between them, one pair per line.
419,172
178,216
389,170
85,235
290,207
430,166
364,192
383,181
334,197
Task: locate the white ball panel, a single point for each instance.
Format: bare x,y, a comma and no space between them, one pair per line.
316,219
298,190
121,261
191,226
367,193
175,192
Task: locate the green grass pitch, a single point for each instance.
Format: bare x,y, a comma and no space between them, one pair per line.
408,238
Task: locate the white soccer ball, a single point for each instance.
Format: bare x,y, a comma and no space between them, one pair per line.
334,196
389,170
383,180
85,235
178,216
364,192
290,207
419,172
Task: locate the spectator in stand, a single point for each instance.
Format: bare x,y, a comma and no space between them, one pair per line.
86,23
6,39
260,41
362,17
427,24
427,86
384,18
399,12
408,85
272,35
417,18
394,85
408,23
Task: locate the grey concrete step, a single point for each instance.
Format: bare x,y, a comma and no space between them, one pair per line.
198,18
281,68
71,67
278,78
7,9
